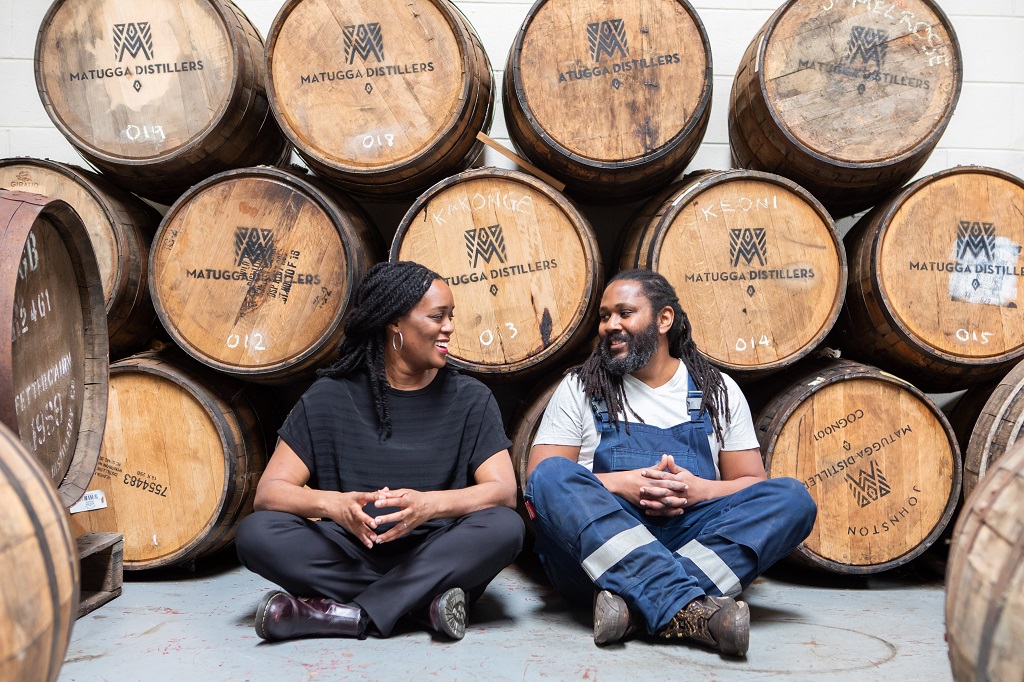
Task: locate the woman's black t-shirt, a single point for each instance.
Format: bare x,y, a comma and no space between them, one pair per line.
440,434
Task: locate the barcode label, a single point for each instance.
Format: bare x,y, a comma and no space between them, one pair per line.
91,501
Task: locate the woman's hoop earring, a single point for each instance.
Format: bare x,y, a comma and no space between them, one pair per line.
398,346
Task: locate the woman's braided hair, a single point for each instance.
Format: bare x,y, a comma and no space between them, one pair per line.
599,384
388,291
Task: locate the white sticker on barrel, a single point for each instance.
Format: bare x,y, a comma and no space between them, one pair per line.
985,276
91,501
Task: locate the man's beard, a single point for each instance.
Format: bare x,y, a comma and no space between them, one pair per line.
639,350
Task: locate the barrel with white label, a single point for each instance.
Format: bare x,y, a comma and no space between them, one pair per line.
411,77
848,99
253,270
53,374
936,278
755,259
521,260
120,229
39,563
157,94
175,488
877,456
612,97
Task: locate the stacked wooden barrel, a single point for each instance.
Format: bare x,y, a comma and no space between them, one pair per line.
412,79
611,98
120,230
157,94
846,98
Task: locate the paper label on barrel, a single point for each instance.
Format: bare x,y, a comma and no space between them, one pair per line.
985,271
92,500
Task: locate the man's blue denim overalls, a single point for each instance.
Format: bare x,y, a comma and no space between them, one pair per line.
587,536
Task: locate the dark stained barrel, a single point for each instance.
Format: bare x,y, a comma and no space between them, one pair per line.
53,374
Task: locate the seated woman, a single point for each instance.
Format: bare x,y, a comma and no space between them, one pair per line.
407,468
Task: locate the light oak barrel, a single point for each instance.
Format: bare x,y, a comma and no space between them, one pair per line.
848,99
253,270
935,280
157,94
120,227
523,429
998,416
985,577
755,260
412,78
612,97
53,374
176,487
522,262
878,457
38,559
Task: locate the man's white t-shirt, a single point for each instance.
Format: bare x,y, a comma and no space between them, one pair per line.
569,420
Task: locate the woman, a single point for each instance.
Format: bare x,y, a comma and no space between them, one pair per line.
407,468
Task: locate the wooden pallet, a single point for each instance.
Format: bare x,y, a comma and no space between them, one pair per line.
101,557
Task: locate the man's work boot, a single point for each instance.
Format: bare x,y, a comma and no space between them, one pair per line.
719,622
448,613
612,618
282,616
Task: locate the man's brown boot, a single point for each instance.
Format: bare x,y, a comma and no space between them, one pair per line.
719,622
282,616
612,618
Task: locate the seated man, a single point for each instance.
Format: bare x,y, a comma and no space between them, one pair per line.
646,484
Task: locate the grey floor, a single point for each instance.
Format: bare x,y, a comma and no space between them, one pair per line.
181,625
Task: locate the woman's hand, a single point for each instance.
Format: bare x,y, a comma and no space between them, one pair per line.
346,510
414,508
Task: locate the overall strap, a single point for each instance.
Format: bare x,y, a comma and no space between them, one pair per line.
694,398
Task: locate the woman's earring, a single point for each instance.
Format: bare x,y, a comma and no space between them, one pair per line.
401,339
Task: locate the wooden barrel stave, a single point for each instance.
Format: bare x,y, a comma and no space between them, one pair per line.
556,130
448,143
54,373
153,145
908,461
173,508
687,230
540,300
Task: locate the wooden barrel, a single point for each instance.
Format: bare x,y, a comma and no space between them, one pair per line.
53,375
120,229
999,417
263,295
846,98
934,280
411,77
175,488
522,431
39,562
755,259
612,98
521,260
984,597
877,456
158,94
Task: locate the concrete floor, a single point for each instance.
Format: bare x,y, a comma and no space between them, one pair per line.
177,625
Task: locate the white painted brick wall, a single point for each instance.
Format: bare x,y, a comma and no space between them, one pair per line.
987,127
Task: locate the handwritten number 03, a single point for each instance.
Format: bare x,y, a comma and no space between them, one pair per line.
487,336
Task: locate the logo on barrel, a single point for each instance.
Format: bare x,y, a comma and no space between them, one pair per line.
254,245
976,239
485,242
748,244
870,486
607,37
869,44
133,38
364,41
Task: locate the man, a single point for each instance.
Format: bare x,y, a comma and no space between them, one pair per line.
646,483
